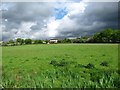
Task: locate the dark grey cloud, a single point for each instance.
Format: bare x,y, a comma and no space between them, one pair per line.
28,11
31,20
97,16
17,13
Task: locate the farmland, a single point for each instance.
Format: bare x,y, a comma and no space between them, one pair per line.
60,66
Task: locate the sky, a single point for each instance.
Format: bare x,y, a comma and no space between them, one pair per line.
47,20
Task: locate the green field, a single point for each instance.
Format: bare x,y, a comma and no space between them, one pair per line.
60,65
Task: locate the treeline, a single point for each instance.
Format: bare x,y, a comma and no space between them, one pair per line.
105,36
20,41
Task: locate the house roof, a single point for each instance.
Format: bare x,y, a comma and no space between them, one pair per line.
53,39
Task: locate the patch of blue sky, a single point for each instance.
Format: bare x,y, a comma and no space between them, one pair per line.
75,0
60,13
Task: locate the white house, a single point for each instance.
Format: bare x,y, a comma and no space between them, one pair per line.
53,41
1,42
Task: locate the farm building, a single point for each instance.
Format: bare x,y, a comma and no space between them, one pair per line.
1,42
53,41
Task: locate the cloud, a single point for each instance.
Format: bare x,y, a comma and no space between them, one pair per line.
88,20
19,13
45,20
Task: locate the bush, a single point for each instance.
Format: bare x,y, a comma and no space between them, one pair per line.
90,66
53,62
63,63
104,63
80,66
59,63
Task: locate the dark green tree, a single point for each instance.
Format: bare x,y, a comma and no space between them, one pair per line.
28,41
11,41
104,36
38,42
66,40
116,36
20,41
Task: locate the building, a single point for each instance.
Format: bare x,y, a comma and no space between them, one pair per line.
53,41
1,43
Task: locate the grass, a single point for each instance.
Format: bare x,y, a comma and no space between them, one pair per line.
0,67
60,66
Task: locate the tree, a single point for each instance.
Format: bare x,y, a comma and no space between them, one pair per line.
38,42
19,41
85,37
4,44
28,41
11,41
77,40
59,41
46,41
22,41
66,40
104,36
116,36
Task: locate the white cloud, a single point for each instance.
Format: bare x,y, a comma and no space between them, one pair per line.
24,31
66,24
76,8
37,20
52,27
